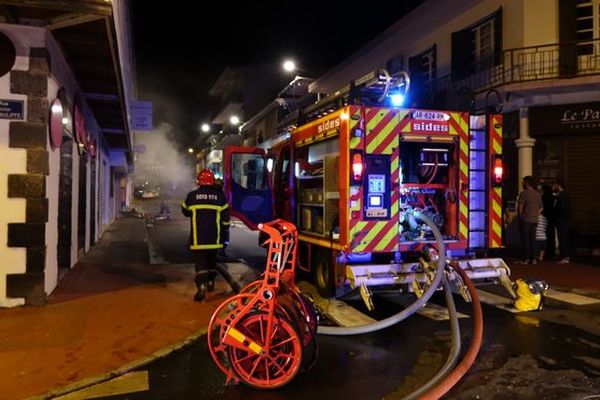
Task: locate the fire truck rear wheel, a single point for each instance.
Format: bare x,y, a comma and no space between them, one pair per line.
323,272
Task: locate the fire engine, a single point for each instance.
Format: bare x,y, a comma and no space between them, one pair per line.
355,176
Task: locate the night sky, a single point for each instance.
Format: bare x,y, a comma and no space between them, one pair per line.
180,52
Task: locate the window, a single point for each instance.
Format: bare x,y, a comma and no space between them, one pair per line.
477,47
422,68
587,24
483,44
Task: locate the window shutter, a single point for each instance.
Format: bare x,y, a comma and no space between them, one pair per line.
463,58
567,34
498,37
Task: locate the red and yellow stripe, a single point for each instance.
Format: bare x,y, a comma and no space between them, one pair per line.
460,122
381,137
495,198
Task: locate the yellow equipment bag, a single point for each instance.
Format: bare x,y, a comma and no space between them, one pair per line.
530,294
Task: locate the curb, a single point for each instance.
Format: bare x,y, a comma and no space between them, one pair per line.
85,383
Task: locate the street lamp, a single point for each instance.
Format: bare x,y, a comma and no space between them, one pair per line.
289,65
234,120
190,150
205,128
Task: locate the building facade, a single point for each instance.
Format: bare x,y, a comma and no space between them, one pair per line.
66,79
536,61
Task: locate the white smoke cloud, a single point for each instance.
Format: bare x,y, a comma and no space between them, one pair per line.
161,163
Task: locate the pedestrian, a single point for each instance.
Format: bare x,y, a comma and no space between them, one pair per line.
540,237
562,214
529,208
209,226
165,211
548,204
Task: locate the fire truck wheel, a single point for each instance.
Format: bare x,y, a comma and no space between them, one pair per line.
322,268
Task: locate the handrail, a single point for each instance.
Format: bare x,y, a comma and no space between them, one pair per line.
528,64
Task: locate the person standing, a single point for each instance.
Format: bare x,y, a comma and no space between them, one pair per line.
562,213
209,229
548,204
529,209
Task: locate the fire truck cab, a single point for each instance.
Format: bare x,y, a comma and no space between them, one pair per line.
353,179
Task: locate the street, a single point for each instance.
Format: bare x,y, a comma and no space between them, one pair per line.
538,355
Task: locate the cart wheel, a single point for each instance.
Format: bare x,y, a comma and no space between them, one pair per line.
310,354
308,312
272,367
218,325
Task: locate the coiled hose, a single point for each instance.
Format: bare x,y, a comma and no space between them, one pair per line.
414,307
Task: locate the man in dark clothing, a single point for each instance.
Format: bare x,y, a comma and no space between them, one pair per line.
529,208
562,213
209,229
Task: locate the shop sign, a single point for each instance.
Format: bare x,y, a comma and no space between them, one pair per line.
11,109
565,119
141,115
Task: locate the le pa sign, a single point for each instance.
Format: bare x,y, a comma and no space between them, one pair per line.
11,109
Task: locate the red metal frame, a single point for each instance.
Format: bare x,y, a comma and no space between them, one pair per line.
259,336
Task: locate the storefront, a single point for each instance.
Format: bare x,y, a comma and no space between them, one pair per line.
567,147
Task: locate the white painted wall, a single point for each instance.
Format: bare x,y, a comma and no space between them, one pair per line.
13,161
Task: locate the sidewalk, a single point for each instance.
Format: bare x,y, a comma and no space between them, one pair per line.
574,275
112,312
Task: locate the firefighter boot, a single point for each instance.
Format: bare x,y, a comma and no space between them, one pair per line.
210,283
201,280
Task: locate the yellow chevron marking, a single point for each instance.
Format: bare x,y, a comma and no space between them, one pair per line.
391,235
373,232
463,230
382,135
497,229
464,168
496,147
376,119
497,209
354,142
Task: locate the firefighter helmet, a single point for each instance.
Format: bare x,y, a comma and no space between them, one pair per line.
206,178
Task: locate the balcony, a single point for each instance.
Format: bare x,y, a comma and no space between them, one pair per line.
528,64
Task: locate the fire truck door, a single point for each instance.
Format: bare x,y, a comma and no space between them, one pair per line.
247,185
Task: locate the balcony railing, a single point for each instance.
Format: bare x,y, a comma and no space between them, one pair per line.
528,64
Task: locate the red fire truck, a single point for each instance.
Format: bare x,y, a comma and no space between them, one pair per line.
352,179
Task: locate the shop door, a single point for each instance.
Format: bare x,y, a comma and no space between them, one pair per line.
65,203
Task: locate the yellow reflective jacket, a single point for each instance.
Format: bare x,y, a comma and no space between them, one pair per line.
209,222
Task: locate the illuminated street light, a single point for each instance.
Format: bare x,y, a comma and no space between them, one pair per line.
205,128
190,150
289,65
234,120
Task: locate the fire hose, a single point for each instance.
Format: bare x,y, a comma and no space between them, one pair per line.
445,378
414,307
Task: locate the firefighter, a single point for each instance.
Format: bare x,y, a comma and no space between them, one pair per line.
209,225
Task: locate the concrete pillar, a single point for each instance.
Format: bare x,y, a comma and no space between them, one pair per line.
525,145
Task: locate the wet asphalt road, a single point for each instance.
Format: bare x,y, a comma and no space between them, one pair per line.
551,354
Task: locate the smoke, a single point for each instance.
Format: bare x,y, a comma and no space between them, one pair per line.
161,163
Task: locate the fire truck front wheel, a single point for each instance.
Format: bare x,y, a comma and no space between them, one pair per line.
322,272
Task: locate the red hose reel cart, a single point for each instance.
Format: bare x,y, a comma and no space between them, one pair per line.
265,334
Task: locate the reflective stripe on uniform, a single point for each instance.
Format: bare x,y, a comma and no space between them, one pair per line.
206,246
217,209
183,205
